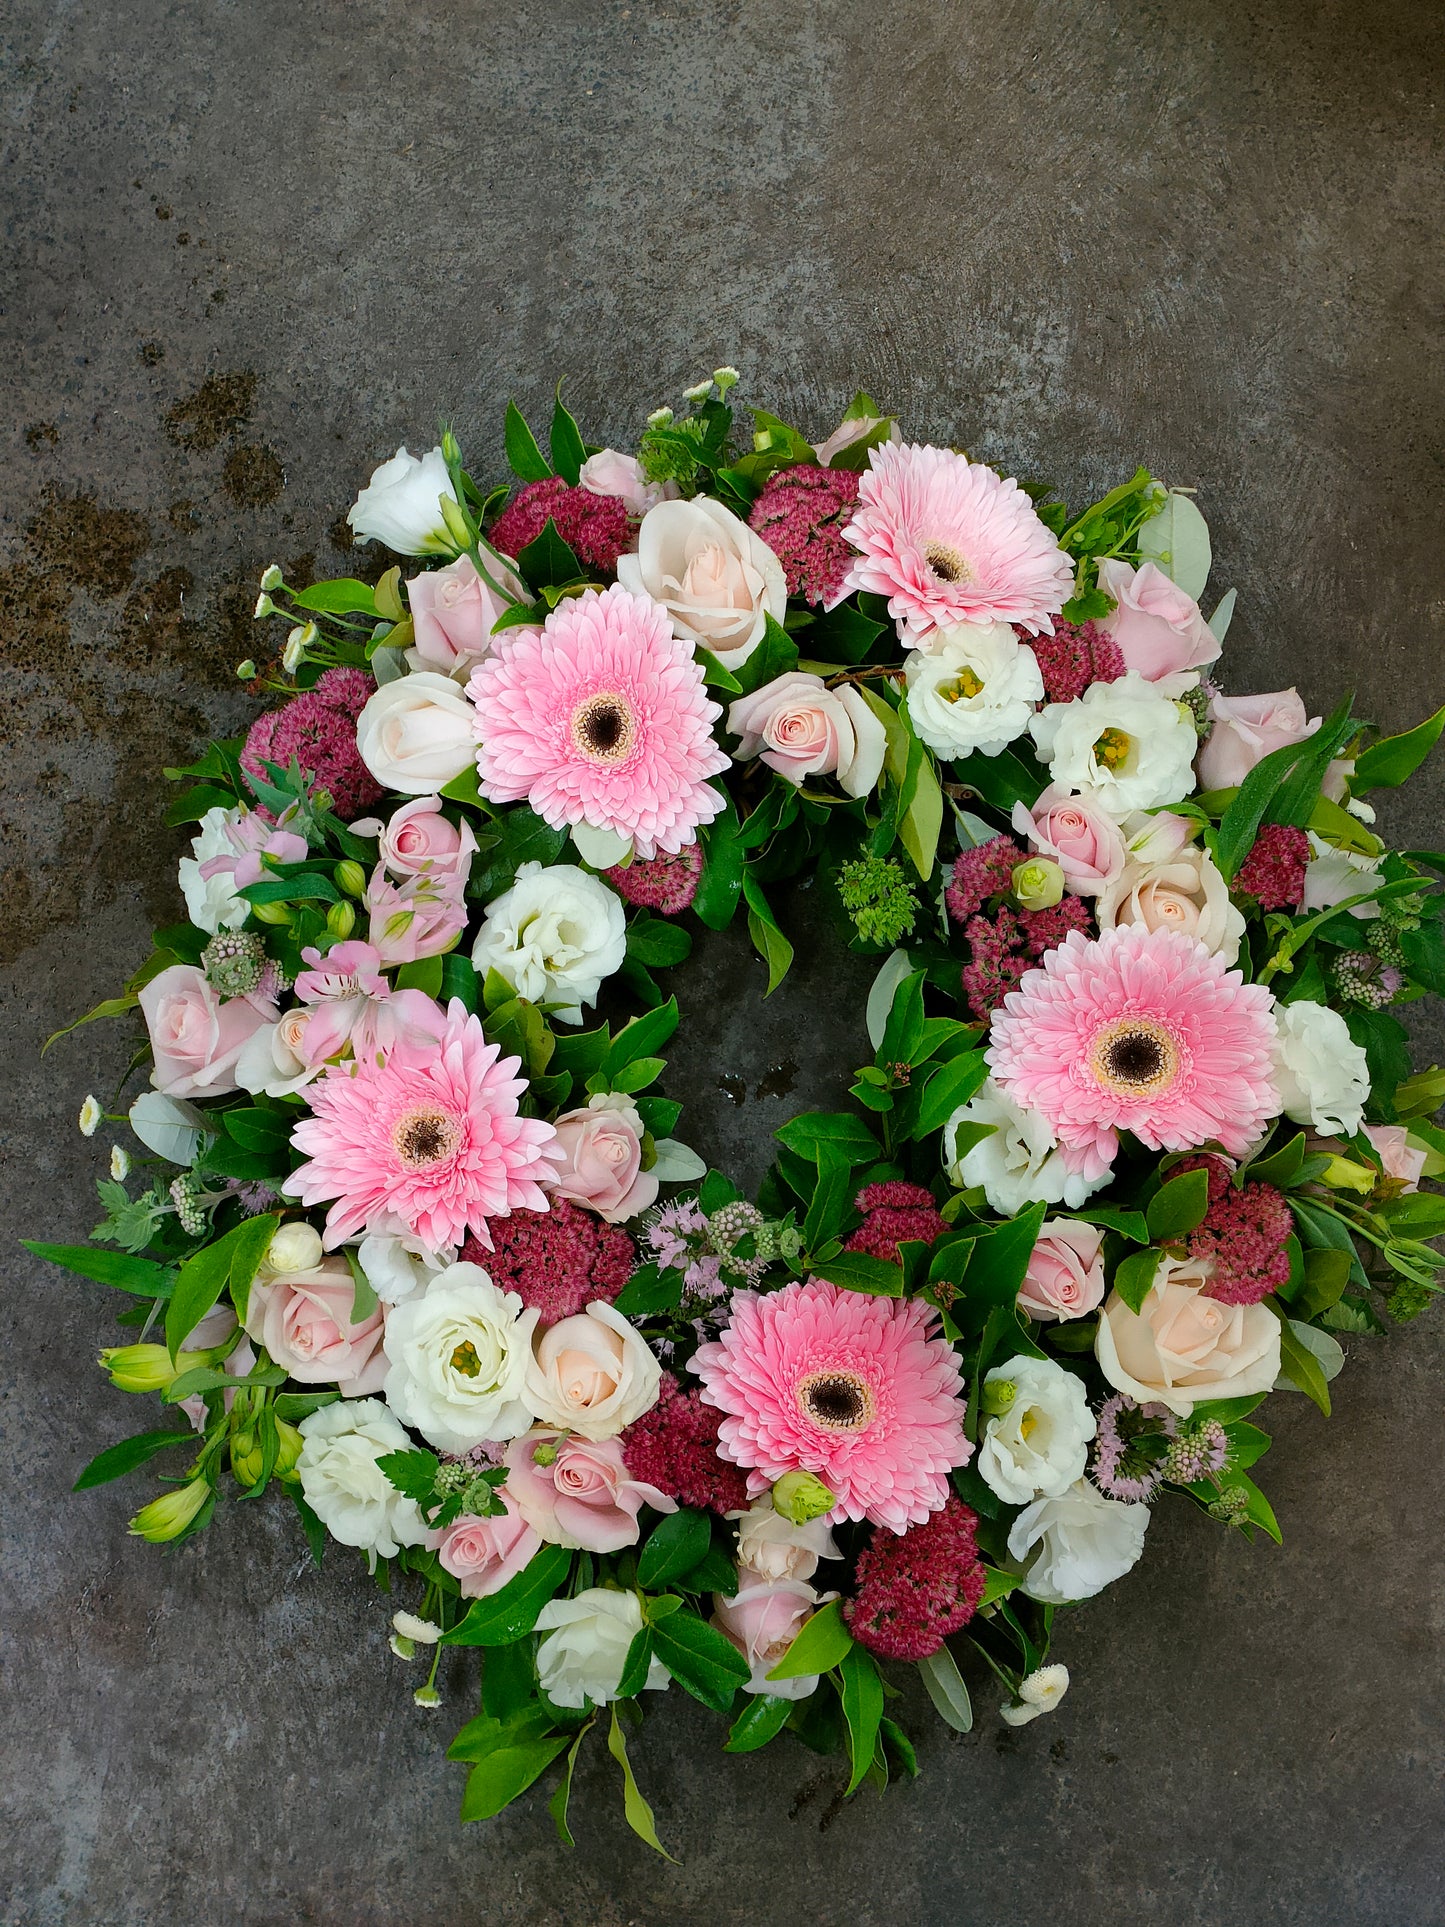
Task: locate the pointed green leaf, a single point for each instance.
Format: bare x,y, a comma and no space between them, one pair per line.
568,449
524,458
116,1460
947,1690
821,1644
636,1809
862,1709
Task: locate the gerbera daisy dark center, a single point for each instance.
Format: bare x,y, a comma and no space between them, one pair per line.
1135,1057
603,727
841,1401
946,563
424,1137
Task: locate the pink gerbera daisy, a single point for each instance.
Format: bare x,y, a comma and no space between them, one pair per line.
1143,1031
852,1388
600,717
948,540
430,1136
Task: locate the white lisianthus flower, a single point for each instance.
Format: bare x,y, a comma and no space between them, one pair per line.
973,689
1320,1072
346,1488
401,505
584,1647
1073,1545
1184,891
555,935
1039,1692
211,902
1018,1163
396,1265
1128,743
459,1352
1038,1444
416,734
717,580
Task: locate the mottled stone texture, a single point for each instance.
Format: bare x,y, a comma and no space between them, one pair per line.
251,247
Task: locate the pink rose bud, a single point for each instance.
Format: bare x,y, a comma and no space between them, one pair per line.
1081,837
577,1492
801,728
1401,1159
762,1619
1065,1278
303,1318
195,1037
1246,729
420,839
602,1146
483,1554
1157,627
610,473
452,612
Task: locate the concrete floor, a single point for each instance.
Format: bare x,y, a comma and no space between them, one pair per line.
250,248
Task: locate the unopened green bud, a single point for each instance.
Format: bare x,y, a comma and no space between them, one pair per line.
1038,884
545,1453
1343,1174
427,1696
341,919
725,378
247,1458
271,913
289,1444
997,1396
451,450
801,1496
402,1647
350,877
172,1513
146,1368
458,528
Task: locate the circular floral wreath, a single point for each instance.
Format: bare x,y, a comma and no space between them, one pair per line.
1138,1141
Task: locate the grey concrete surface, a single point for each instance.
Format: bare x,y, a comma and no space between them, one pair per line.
251,247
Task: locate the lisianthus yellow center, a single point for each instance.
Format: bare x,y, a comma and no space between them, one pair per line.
1112,748
465,1360
1135,1057
964,685
1028,1424
946,562
603,727
841,1401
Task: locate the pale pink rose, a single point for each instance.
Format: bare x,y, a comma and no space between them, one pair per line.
1081,837
452,612
1157,627
303,1318
801,728
1246,729
762,1619
195,1037
1065,1278
1182,1347
483,1554
592,1374
610,473
1187,893
774,1548
602,1146
1402,1160
422,917
419,840
576,1492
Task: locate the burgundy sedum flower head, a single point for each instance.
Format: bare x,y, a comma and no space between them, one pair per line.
560,1261
917,1587
675,1447
980,873
1075,655
1243,1236
894,1212
318,728
594,527
1274,870
1003,947
666,883
801,515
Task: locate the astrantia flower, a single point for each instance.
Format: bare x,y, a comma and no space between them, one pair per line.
948,540
600,717
431,1137
815,1379
917,1587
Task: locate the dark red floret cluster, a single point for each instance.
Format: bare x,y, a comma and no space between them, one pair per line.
917,1587
1243,1236
665,883
801,515
675,1447
318,729
1004,946
894,1213
1075,655
594,527
558,1260
1274,870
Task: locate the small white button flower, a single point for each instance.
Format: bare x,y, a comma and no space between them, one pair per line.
1039,1692
421,1632
90,1116
119,1163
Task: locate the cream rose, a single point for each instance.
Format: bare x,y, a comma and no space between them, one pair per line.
1187,893
401,505
973,689
274,1060
1072,1546
775,1548
416,734
717,580
1181,1347
602,1150
584,1647
554,936
801,728
592,1374
459,1353
346,1488
1321,1073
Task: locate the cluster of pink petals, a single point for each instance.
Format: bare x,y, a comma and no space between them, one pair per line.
985,871
1243,1238
666,883
595,527
353,1140
1003,947
674,1447
801,515
918,502
319,730
1221,1030
255,836
353,1003
917,1587
559,1261
894,1468
536,683
1075,655
1274,871
423,916
894,1213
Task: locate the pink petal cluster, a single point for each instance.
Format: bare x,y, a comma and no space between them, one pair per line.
1003,947
1274,870
853,1388
254,836
559,1261
894,1213
319,730
423,916
1243,1236
1075,655
1138,1030
430,1136
666,883
917,1587
801,515
980,873
579,1492
595,527
948,540
675,1448
600,717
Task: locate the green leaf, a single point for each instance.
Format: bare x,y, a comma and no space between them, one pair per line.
700,1658
459,979
547,562
191,807
557,1805
903,1030
649,1291
465,788
774,656
636,1666
832,1196
568,450
763,1717
713,673
1177,1207
1391,761
674,1547
116,1460
309,887
1281,1167
497,1780
511,1612
821,1644
1001,780
950,1086
947,1690
768,939
1129,1224
844,634
721,882
997,1267
316,1534
524,458
1176,537
341,597
841,1129
922,817
232,1261
1298,1363
413,1473
656,942
424,975
1135,1276
997,1585
143,1276
112,1007
856,1271
862,1709
643,1037
256,1129
1282,785
212,1378
638,1813
1326,1274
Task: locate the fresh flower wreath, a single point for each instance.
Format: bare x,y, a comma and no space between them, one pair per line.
1138,1141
